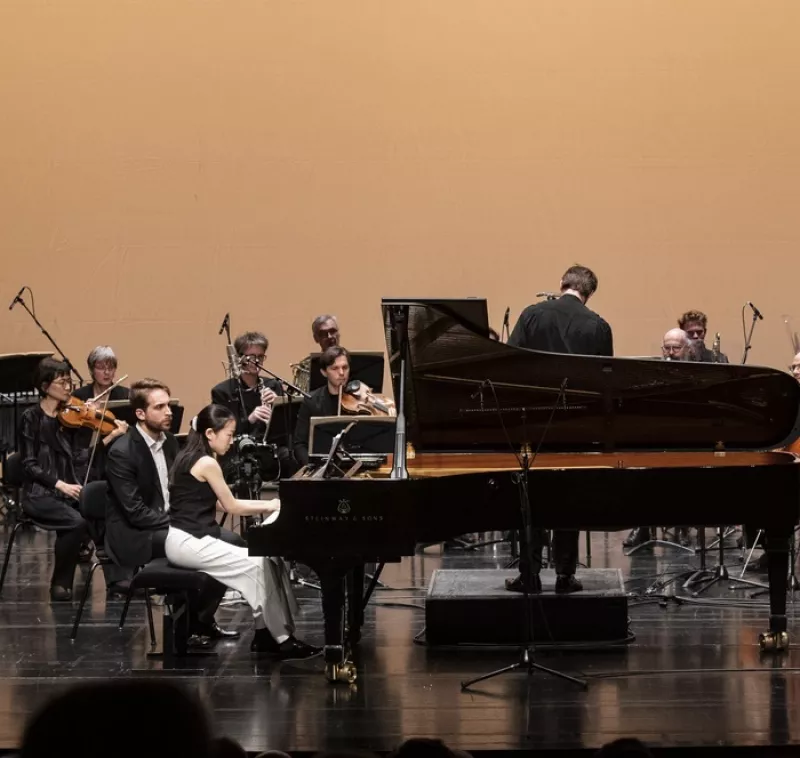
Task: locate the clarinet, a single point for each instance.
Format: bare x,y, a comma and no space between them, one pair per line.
261,388
715,349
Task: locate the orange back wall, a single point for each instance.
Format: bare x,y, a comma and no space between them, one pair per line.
164,163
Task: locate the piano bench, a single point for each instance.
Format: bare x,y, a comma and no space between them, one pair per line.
179,585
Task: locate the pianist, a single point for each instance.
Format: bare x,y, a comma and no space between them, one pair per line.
561,325
323,401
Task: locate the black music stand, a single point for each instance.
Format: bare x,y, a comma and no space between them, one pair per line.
366,367
283,421
16,376
527,653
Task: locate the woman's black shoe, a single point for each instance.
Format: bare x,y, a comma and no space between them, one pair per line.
60,594
296,650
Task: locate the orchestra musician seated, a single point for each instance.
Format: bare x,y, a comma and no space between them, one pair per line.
54,472
695,324
137,517
323,401
251,399
675,346
197,489
102,363
325,331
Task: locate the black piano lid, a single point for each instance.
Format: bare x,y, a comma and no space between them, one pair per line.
609,404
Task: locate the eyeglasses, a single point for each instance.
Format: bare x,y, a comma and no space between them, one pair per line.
696,332
63,382
672,348
327,332
794,369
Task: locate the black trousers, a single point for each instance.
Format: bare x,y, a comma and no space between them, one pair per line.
564,551
205,605
62,517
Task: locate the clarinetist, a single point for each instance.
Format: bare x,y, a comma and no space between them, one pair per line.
251,399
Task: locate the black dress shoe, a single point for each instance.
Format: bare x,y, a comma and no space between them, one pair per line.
566,583
638,536
215,632
199,642
517,585
60,594
296,650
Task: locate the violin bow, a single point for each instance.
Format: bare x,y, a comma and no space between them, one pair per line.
97,434
106,391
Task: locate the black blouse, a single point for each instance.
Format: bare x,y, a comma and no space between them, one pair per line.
193,504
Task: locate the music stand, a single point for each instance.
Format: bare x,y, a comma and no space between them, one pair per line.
16,376
367,367
372,436
284,420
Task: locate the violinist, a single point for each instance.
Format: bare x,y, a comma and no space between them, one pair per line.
102,363
52,480
323,401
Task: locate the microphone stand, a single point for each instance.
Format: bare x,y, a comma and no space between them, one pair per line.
50,339
749,337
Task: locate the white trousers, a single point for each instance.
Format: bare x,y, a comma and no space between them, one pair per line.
263,582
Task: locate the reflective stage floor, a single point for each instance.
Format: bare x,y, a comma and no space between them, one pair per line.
692,676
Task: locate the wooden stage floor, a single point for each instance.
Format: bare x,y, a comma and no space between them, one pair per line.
692,677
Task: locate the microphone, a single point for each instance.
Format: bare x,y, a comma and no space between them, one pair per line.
225,322
234,362
16,299
756,312
505,318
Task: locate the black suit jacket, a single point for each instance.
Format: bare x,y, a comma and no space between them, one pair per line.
564,325
135,506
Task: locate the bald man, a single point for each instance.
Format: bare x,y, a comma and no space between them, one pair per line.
795,367
675,345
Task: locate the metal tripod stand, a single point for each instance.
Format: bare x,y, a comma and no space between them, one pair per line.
527,653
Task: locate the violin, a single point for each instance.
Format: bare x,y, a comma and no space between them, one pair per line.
79,415
358,398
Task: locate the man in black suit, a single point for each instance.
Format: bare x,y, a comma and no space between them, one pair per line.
560,325
137,517
323,401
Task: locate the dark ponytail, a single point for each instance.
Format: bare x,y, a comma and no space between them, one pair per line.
211,417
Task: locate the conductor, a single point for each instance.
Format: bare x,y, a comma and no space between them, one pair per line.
560,325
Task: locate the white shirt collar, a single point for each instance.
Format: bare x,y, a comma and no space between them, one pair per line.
154,444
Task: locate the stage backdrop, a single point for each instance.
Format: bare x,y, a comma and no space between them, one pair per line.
164,163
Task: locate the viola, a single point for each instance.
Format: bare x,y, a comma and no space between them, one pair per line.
358,398
79,415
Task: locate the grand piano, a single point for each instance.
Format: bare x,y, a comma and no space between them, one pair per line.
608,443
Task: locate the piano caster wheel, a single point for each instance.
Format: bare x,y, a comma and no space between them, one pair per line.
341,672
773,642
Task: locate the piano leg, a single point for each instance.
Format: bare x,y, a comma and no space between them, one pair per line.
336,582
777,544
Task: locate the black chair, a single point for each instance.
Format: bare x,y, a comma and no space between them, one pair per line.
94,497
13,476
178,585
